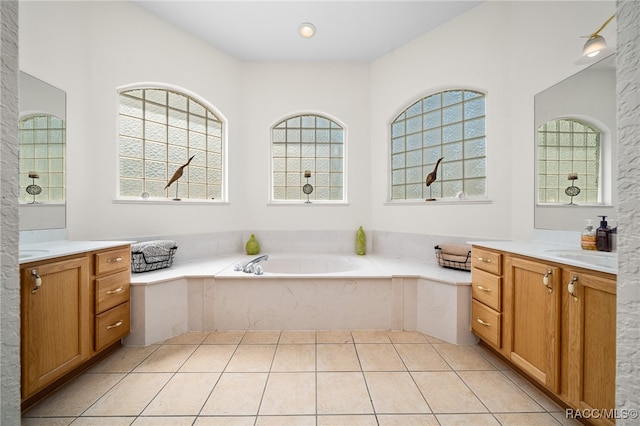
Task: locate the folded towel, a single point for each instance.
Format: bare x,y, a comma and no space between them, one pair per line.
455,249
154,251
453,258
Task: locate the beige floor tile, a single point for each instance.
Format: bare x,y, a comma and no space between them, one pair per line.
104,421
339,336
342,420
76,396
167,358
461,357
395,393
224,338
370,336
184,395
190,338
407,420
407,337
260,338
289,394
251,359
297,337
209,358
337,357
164,421
130,396
236,394
493,359
529,419
225,421
294,358
562,418
418,357
342,393
46,421
286,420
535,393
379,357
445,392
124,360
467,419
432,339
499,393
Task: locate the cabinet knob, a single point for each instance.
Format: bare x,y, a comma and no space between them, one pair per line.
571,287
547,282
37,281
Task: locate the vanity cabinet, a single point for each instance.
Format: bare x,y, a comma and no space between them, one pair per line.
74,309
556,323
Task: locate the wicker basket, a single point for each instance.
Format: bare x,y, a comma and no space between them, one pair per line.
462,265
148,256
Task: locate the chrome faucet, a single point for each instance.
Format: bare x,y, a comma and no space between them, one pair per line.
249,267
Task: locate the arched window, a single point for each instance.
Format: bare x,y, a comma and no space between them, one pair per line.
449,124
307,144
568,156
42,159
160,130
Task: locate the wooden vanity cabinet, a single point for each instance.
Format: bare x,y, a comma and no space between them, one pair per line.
486,292
73,310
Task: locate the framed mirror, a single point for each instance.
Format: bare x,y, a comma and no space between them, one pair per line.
575,137
42,153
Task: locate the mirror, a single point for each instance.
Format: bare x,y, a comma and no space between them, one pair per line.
585,103
42,142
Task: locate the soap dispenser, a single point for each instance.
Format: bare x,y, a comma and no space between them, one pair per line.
588,237
603,235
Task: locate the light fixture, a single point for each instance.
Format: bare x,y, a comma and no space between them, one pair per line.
596,42
307,30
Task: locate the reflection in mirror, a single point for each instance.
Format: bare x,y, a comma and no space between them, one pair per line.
575,124
42,140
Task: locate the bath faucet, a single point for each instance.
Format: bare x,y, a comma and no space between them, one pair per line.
248,268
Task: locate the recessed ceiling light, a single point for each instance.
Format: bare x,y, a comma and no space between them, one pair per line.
307,29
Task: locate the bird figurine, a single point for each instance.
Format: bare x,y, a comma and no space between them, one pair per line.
177,175
431,177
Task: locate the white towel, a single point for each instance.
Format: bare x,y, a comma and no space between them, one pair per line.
154,251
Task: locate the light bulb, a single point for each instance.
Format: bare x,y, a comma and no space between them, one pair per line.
307,30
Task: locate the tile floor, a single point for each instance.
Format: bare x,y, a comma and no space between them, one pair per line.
299,378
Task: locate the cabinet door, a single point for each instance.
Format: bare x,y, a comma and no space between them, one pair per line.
55,321
532,319
591,340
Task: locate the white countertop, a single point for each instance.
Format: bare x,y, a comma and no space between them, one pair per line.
52,249
558,253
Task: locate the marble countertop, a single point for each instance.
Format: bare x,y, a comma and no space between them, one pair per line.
571,255
52,249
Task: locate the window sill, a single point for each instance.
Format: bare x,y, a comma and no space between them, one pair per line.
440,201
311,203
166,201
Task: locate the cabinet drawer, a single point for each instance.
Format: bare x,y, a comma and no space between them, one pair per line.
112,290
112,325
486,288
485,323
486,260
113,260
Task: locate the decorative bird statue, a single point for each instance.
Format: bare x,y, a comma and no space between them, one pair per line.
431,177
177,175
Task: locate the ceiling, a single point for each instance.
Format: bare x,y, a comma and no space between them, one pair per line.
266,31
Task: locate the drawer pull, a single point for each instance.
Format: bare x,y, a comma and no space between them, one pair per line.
487,290
37,281
116,291
114,260
482,259
571,287
486,324
545,281
116,325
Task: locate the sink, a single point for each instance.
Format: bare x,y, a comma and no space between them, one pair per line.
595,258
25,254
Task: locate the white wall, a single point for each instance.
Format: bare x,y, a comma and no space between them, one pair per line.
511,51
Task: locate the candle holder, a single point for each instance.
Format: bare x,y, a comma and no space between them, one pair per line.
34,189
307,188
572,190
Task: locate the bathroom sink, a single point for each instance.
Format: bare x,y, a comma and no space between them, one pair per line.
25,254
603,259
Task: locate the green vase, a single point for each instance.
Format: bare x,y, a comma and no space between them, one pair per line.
361,242
252,246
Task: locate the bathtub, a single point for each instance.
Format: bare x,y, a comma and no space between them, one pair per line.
282,264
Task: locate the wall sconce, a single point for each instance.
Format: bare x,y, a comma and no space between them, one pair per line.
596,42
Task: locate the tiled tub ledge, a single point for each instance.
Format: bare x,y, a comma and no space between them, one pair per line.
389,294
